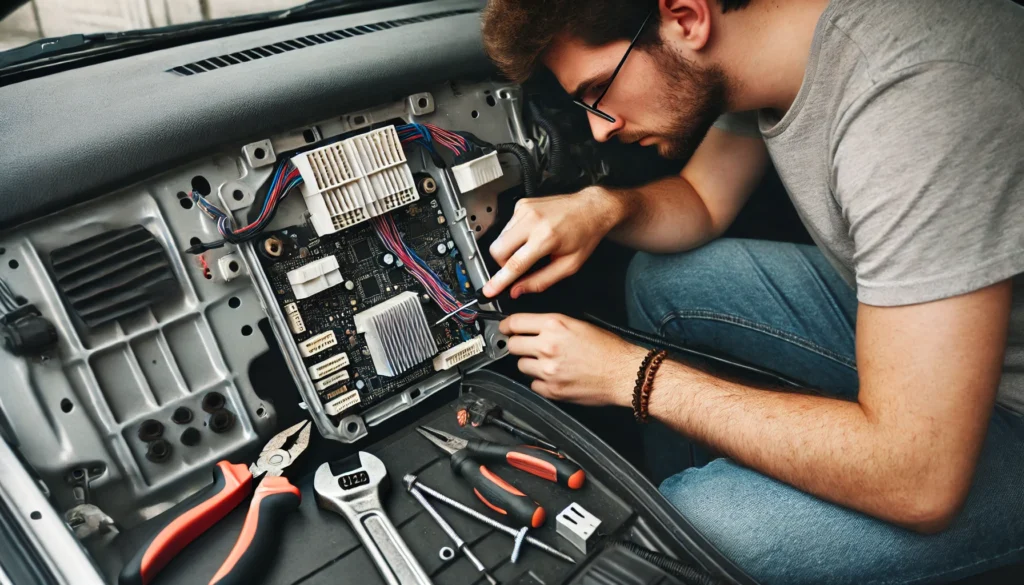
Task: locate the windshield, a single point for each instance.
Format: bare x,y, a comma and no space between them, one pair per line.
35,19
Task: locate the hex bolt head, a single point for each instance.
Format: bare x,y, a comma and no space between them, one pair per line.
182,415
151,430
221,421
213,401
159,451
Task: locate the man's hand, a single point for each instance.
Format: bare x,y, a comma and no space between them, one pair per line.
565,227
573,361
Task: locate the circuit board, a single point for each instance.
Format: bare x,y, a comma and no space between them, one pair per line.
371,276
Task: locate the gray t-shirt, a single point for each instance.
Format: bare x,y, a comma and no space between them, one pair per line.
904,152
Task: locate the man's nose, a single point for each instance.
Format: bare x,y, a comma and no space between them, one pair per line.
603,129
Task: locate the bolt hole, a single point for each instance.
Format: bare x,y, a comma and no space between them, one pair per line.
475,114
234,302
490,210
479,228
13,264
415,394
185,203
213,401
491,101
201,185
233,266
308,135
35,515
423,102
182,415
259,153
246,330
3,251
190,437
502,344
66,406
472,218
260,412
195,242
352,428
359,120
238,195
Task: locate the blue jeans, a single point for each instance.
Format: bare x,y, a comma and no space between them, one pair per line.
783,307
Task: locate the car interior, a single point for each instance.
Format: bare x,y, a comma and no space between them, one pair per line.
280,235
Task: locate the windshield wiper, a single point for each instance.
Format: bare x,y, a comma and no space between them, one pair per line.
70,48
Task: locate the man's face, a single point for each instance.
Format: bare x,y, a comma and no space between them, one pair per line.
658,97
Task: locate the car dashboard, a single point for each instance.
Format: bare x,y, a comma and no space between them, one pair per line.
314,191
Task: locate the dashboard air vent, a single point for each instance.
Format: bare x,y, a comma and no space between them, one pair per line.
113,274
213,63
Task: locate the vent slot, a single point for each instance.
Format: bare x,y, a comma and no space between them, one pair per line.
112,275
261,52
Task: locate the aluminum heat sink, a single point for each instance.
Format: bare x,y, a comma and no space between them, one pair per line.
397,334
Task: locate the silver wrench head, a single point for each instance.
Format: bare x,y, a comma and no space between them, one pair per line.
353,481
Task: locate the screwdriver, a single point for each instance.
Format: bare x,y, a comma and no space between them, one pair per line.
496,493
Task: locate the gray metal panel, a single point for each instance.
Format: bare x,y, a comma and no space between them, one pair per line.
97,128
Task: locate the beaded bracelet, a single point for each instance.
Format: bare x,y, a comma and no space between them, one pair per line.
644,382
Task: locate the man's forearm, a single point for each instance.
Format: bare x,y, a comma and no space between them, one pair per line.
830,448
661,217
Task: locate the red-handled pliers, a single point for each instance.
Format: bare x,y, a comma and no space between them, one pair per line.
232,482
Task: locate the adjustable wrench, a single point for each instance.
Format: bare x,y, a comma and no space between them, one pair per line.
352,487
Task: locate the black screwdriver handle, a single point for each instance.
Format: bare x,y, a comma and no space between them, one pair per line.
533,460
497,494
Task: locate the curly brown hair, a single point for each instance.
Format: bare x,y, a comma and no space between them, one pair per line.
516,33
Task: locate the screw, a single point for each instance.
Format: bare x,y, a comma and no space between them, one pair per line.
412,482
459,543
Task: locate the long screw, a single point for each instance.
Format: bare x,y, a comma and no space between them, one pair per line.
459,543
411,482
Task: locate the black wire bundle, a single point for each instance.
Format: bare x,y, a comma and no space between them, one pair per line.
529,173
689,575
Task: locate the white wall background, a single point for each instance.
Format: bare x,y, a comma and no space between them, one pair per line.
50,18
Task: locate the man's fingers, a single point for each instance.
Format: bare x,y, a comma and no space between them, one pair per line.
526,256
530,367
525,345
546,277
515,234
527,323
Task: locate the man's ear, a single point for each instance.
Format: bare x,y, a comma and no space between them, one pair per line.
686,22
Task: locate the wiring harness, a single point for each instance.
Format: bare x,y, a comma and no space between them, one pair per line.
285,178
388,233
24,329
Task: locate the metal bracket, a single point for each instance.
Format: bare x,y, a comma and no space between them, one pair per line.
420,104
259,154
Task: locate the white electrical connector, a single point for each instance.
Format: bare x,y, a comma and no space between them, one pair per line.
315,277
477,172
349,182
342,403
577,526
450,358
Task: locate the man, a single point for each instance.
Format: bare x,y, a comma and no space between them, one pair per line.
898,131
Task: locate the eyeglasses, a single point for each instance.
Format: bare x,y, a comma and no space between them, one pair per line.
593,109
